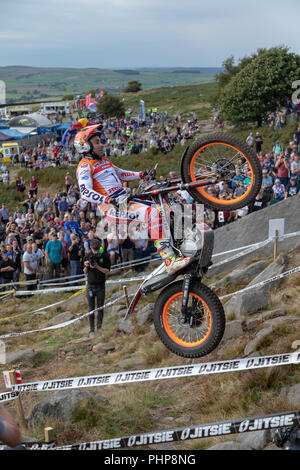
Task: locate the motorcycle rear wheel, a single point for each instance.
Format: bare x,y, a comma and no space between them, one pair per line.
216,157
195,334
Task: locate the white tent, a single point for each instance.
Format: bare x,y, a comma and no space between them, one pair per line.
41,120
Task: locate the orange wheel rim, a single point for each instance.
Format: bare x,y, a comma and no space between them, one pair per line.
170,329
208,196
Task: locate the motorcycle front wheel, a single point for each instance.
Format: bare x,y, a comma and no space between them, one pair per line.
228,168
199,330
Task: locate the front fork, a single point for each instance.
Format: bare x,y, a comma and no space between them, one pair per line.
186,290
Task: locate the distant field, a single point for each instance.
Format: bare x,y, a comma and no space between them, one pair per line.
30,83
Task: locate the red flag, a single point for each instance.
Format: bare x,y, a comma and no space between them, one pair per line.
88,100
18,377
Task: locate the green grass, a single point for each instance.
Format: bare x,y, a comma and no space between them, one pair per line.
32,83
186,99
285,135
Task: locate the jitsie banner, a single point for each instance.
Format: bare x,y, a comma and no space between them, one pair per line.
7,396
160,373
223,428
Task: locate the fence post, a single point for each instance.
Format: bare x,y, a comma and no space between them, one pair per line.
276,245
18,403
126,295
49,435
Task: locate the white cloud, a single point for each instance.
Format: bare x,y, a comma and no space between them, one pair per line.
141,32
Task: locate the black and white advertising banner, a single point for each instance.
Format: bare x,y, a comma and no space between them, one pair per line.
7,396
120,378
224,428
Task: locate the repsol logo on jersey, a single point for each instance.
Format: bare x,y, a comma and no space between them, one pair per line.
89,193
123,214
112,190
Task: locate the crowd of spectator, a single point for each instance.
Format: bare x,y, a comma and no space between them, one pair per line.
47,236
133,135
280,179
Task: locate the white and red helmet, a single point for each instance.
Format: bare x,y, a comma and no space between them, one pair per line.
83,137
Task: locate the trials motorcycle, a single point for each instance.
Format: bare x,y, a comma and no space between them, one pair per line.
188,316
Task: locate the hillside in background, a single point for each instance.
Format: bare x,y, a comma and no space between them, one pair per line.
25,83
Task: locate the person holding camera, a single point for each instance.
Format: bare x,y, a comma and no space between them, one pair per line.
282,166
96,267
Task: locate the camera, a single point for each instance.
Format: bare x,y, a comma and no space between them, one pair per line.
96,258
93,260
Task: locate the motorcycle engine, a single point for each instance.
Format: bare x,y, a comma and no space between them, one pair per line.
199,242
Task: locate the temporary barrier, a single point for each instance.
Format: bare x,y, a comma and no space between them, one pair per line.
60,325
262,283
200,431
161,373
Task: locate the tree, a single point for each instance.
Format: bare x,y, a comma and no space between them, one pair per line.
132,87
258,88
92,91
68,97
230,70
111,106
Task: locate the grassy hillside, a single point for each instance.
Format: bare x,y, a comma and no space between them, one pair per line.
174,99
24,83
150,406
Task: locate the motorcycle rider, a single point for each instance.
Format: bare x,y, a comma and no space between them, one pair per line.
100,182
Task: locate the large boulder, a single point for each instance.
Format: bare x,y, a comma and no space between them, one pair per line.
274,269
125,326
145,314
247,302
61,318
243,274
254,228
252,345
59,406
256,440
18,356
292,395
232,329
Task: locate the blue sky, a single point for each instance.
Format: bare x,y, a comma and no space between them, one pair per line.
136,33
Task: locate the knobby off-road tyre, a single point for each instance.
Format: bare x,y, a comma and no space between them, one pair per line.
213,149
176,332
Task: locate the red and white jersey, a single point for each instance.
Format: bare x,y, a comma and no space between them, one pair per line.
100,179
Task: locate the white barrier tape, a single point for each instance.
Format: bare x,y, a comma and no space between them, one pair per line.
62,325
283,237
7,396
134,261
259,284
56,303
153,260
288,235
239,249
19,293
243,253
262,283
200,431
75,276
121,378
71,288
50,284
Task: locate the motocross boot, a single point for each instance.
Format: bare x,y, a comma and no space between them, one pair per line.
172,262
